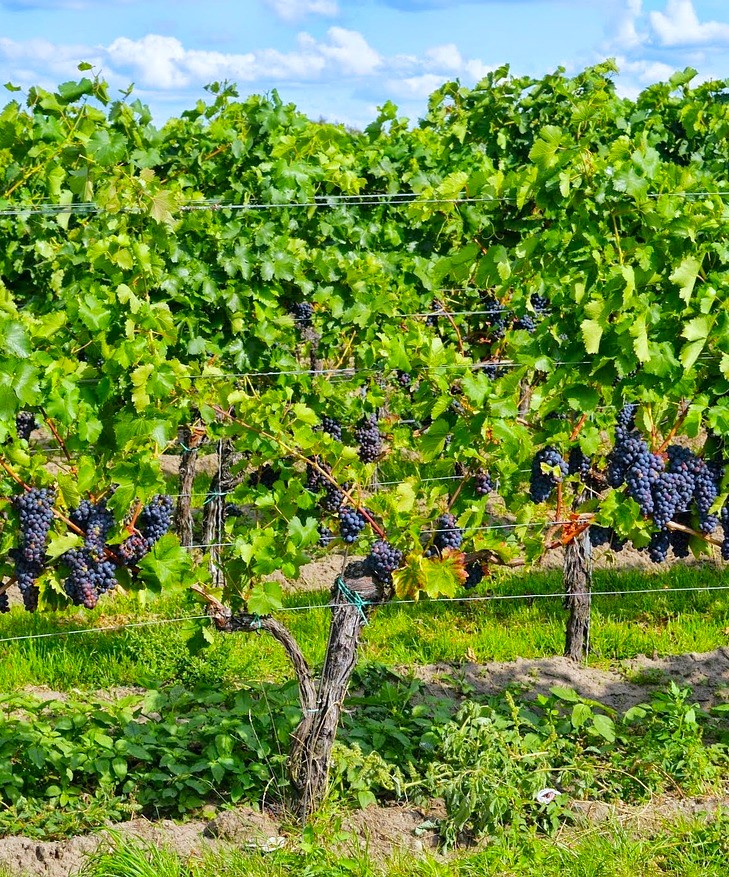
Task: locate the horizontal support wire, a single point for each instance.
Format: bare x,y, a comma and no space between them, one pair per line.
319,201
486,598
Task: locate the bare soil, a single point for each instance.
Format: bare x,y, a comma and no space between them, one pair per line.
385,831
630,683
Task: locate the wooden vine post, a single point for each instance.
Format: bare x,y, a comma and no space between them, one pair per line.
354,594
577,574
187,470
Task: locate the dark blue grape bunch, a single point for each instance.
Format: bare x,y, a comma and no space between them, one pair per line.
132,549
698,480
315,479
88,578
668,492
99,524
498,318
369,438
482,483
526,322
446,534
642,476
579,463
331,426
265,476
154,521
404,379
333,498
437,308
351,524
383,560
600,536
493,371
302,313
326,536
541,304
25,423
35,510
474,575
680,543
625,421
4,602
156,518
543,483
659,545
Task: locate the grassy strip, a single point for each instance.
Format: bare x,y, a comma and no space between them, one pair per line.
689,849
665,623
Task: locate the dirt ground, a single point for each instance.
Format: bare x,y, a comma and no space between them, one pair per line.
630,683
409,830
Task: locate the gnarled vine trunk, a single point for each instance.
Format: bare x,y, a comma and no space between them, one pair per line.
310,755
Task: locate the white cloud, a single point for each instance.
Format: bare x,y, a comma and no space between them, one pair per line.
163,62
679,25
625,31
446,57
295,10
351,51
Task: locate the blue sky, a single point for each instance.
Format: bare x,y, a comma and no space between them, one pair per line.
340,59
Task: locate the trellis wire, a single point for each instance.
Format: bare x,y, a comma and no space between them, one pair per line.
319,201
486,598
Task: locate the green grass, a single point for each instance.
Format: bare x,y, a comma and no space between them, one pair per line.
691,849
428,632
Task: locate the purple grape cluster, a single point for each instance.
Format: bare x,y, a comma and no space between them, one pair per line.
315,480
474,575
600,536
332,427
437,308
326,536
404,379
540,303
526,322
579,463
542,483
333,498
369,438
482,483
35,510
4,602
154,521
25,423
659,545
680,543
383,560
351,524
493,371
97,522
302,312
265,476
88,578
447,533
703,480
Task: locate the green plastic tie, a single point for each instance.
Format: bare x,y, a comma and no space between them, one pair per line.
256,623
215,495
353,597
